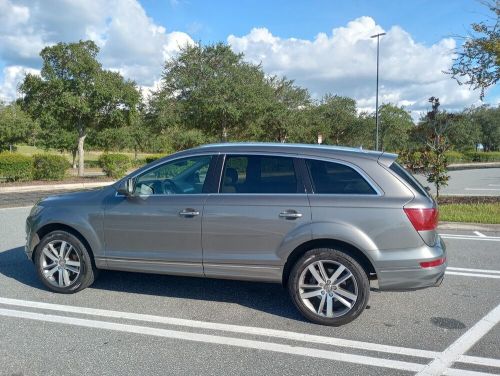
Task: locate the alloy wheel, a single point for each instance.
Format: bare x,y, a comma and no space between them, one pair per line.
328,288
60,263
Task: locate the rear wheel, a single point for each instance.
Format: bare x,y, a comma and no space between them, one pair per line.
329,287
63,263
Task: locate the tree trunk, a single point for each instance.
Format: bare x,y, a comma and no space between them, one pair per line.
73,155
81,160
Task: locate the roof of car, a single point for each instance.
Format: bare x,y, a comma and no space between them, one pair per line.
312,149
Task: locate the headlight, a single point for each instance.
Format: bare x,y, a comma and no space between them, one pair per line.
35,210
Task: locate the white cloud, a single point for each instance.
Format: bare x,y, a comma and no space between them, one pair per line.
12,75
130,41
344,63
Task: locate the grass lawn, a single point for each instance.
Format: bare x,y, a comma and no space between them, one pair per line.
473,213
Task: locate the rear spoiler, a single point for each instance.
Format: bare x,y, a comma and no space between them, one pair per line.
386,159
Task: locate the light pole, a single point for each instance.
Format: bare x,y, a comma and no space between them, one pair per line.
376,99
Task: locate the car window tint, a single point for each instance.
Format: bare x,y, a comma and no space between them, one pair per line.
408,178
258,174
181,176
336,178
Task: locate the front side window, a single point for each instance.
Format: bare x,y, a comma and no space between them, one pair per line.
258,174
181,176
336,178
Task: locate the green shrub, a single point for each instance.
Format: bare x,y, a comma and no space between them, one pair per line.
16,167
154,157
49,167
114,165
92,163
489,156
455,157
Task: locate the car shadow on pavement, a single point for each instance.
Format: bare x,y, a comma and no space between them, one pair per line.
265,297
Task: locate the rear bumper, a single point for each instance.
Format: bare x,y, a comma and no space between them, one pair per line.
405,273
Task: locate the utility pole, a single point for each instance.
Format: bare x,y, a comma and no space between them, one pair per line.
376,99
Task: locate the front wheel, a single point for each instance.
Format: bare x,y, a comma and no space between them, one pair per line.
329,287
63,263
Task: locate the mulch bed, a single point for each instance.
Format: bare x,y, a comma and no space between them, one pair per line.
468,200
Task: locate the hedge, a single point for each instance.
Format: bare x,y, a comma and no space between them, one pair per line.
490,156
114,165
49,167
16,167
154,157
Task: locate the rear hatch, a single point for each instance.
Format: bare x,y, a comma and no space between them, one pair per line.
422,211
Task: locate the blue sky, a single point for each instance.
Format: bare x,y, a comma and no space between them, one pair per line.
323,45
428,21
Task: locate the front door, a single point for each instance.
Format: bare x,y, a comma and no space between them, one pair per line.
159,228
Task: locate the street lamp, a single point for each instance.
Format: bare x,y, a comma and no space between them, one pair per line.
376,100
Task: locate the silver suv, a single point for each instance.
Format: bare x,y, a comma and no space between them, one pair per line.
321,220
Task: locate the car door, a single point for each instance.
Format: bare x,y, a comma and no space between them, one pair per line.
259,215
159,228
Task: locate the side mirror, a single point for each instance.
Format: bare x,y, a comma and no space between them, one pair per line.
428,189
127,187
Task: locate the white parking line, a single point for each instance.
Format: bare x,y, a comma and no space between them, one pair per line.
332,355
481,273
470,237
206,338
480,234
17,207
491,271
224,327
450,272
462,344
482,189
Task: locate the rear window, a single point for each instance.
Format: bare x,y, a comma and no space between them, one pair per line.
336,178
408,178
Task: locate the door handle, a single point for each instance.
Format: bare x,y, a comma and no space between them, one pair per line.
189,213
290,214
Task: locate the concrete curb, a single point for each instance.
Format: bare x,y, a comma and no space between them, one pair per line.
473,166
53,187
457,226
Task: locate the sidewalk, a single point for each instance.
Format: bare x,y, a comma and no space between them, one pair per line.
53,187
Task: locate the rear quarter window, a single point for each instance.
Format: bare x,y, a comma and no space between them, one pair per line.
337,178
408,178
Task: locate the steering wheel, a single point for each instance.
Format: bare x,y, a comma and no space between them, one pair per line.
169,187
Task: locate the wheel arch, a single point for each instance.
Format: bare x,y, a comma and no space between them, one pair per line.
342,246
51,227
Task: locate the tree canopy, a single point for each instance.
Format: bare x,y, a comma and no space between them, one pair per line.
74,92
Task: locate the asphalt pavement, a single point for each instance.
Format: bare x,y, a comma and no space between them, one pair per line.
476,182
132,324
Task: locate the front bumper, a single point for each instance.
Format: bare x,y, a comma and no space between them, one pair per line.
32,239
405,273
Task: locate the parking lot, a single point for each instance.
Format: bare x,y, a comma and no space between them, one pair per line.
149,324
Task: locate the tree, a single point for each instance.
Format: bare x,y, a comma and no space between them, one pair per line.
336,119
216,90
478,61
75,93
15,126
283,112
433,156
395,126
487,119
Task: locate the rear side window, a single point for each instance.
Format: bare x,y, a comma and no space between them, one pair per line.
258,174
336,178
408,178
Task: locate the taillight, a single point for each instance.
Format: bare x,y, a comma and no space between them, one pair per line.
423,219
431,264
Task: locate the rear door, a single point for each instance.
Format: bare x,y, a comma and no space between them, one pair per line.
260,212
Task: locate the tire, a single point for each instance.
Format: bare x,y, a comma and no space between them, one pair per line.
321,301
59,274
